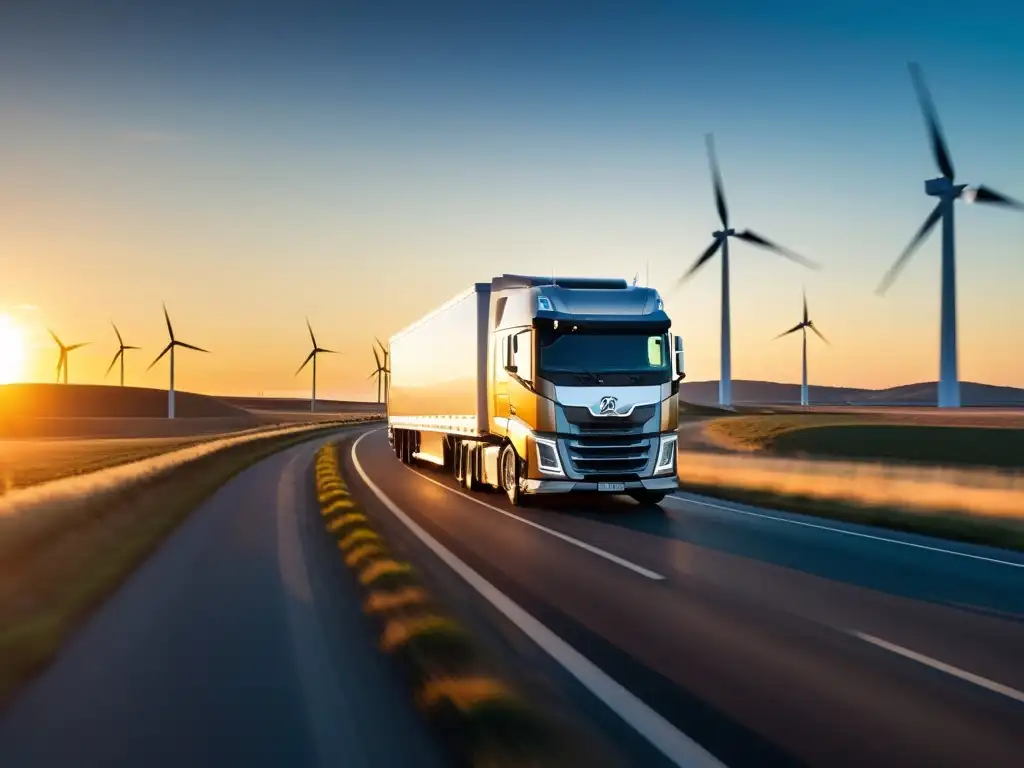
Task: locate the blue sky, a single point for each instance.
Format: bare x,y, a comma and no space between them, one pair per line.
362,162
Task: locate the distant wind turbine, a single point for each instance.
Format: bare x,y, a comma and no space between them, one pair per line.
62,361
119,355
386,368
378,372
312,356
803,326
170,348
721,241
947,192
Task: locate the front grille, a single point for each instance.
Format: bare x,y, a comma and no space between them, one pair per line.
608,455
587,421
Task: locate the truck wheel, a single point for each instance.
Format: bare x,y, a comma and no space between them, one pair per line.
466,455
510,476
648,498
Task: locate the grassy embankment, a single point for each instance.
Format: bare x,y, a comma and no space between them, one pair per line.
57,565
483,719
793,464
872,438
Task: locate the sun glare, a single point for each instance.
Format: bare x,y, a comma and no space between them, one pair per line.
12,351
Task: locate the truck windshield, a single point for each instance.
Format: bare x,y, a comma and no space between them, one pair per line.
603,353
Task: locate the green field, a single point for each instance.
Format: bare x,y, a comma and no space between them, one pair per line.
869,437
29,462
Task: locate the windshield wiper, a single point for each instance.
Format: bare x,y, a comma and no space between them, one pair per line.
597,379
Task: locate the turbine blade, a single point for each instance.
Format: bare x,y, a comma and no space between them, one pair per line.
901,262
372,375
805,306
59,342
382,347
716,180
76,346
701,260
128,346
329,351
983,194
190,346
931,118
794,329
820,334
167,317
755,239
305,362
158,357
113,362
120,341
311,336
376,357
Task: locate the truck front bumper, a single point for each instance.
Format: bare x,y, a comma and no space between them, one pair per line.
667,484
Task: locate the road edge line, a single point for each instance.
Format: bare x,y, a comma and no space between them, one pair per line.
665,737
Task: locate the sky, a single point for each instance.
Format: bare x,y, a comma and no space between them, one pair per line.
252,164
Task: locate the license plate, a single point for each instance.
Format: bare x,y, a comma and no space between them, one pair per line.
611,487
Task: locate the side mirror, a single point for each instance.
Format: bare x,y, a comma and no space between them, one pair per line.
679,357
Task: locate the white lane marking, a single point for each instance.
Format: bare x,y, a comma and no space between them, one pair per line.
681,500
970,677
557,534
670,741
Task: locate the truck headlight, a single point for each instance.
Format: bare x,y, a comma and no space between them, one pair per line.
547,456
666,454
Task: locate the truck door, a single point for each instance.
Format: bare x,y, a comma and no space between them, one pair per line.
501,381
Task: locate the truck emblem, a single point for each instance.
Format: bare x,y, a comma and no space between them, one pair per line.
608,405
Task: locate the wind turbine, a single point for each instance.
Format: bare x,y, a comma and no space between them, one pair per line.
170,348
119,354
803,326
312,356
386,369
378,372
948,192
62,361
721,242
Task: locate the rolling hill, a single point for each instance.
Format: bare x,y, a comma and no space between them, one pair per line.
746,391
98,401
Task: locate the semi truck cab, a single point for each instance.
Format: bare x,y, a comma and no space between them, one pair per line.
576,387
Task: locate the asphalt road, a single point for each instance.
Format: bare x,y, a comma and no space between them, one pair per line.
766,638
239,642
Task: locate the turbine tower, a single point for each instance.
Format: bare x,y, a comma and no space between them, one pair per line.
312,356
170,348
119,355
721,241
378,372
803,326
386,369
62,361
948,192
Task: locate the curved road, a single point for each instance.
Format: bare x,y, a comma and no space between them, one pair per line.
239,642
767,638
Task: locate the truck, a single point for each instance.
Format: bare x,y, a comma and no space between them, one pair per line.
542,385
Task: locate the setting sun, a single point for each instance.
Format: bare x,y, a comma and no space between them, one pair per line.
12,351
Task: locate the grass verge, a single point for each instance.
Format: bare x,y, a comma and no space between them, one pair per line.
1007,533
871,437
483,719
48,588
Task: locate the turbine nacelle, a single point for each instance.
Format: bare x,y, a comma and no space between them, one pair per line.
943,187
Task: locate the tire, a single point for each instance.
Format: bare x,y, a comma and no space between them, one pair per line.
509,468
648,498
467,468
